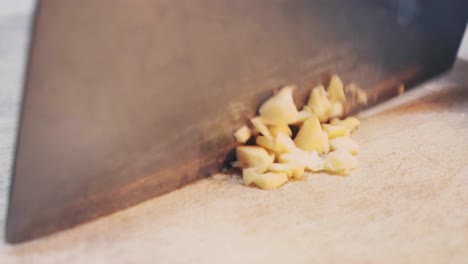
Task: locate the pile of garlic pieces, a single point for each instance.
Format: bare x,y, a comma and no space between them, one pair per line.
322,142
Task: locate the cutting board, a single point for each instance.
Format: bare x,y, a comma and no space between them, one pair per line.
406,203
127,101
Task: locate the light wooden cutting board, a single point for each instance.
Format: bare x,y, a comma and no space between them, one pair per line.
407,203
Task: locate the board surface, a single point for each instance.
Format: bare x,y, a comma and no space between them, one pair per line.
128,100
406,203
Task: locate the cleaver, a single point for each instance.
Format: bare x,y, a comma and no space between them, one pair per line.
127,100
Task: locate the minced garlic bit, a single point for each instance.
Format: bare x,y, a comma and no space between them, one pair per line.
265,181
260,127
254,157
340,162
280,108
310,137
322,142
243,134
280,144
285,129
319,104
335,89
344,143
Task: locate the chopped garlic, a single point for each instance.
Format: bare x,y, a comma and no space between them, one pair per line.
298,173
295,157
274,129
319,103
350,122
356,94
298,157
261,127
294,171
351,90
242,134
309,136
249,175
335,89
340,162
336,109
254,157
280,144
361,96
265,181
303,115
326,143
280,108
286,168
337,130
344,143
